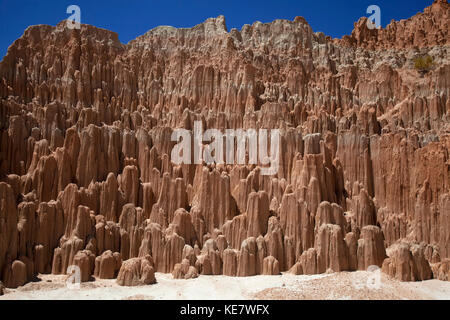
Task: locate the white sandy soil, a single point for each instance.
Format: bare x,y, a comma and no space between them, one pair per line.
342,285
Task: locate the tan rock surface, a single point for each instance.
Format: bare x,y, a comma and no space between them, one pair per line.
136,272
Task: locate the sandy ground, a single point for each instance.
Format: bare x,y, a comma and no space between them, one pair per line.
343,285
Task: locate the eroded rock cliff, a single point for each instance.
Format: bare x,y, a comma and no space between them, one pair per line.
364,177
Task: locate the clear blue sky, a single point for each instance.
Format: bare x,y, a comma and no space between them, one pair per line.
131,18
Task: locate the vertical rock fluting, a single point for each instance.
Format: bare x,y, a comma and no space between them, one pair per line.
87,179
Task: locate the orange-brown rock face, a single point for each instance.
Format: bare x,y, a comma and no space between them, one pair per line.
428,28
136,272
87,178
407,264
